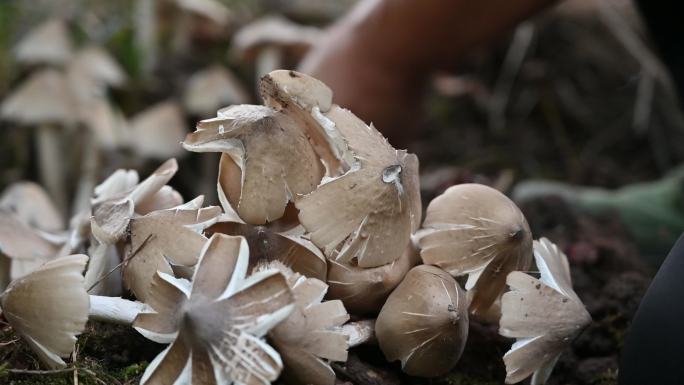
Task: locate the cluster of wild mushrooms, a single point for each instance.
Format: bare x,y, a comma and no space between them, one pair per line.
320,223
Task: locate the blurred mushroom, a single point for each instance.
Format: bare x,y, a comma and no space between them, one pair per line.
158,131
43,100
267,244
311,336
29,203
215,324
97,64
266,160
476,230
544,315
212,88
49,308
269,40
49,43
206,11
424,322
364,290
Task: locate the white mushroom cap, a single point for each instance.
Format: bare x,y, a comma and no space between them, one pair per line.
476,230
217,323
211,88
48,43
210,9
49,308
273,31
43,98
158,131
424,322
266,161
96,63
311,335
544,315
30,203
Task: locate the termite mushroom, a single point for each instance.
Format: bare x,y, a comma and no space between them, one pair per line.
476,230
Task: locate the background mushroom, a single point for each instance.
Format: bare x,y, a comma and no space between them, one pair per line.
424,322
544,315
49,43
476,230
212,88
157,131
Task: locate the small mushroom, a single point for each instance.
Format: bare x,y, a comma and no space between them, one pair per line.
49,308
476,230
158,131
95,63
212,88
266,160
544,315
266,244
49,43
364,290
311,336
269,40
30,203
424,322
216,323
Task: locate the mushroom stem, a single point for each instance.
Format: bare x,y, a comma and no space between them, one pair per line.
114,309
146,33
50,164
359,332
268,60
90,162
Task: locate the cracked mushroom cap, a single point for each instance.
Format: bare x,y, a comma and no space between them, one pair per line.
158,131
211,88
216,323
369,213
476,230
424,322
267,245
273,31
49,308
544,315
160,239
364,290
30,203
266,160
43,98
49,43
310,337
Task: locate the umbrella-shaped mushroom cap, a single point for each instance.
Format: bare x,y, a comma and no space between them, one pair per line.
218,321
212,88
310,336
43,98
267,245
369,213
544,315
424,322
49,308
48,43
266,161
211,9
97,64
364,290
30,203
476,230
158,131
273,31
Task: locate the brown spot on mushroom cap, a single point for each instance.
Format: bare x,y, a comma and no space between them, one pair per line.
266,162
544,315
364,290
476,230
368,213
49,307
424,322
216,323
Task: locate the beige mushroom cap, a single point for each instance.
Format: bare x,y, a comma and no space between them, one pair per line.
158,131
544,315
48,43
311,336
43,98
30,203
273,31
49,308
211,9
96,63
364,290
211,88
476,230
424,322
266,160
216,323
